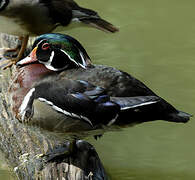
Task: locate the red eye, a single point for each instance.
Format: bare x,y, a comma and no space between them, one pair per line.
45,46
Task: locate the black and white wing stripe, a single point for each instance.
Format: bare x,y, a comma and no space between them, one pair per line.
76,99
136,102
82,100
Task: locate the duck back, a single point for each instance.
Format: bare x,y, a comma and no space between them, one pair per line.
121,84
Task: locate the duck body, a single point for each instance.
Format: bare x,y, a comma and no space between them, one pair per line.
116,82
63,57
58,104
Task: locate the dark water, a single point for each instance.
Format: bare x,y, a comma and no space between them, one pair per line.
156,44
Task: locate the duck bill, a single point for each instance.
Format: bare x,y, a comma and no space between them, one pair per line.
31,58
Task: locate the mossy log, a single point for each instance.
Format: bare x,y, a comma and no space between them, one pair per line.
25,148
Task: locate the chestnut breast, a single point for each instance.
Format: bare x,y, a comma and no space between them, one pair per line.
23,80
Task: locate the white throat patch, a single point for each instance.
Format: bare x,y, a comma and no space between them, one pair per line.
48,63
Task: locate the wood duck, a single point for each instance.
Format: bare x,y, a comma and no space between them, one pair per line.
63,57
46,99
26,18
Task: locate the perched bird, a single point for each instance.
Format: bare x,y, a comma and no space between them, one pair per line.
61,57
46,99
26,18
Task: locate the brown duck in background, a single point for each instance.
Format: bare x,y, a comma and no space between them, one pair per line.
26,18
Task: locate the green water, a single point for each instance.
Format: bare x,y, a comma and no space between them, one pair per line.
156,44
5,174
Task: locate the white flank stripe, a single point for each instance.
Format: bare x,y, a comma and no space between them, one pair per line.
112,121
65,112
44,100
25,102
75,115
86,119
138,105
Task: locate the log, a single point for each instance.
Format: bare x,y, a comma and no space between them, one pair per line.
29,150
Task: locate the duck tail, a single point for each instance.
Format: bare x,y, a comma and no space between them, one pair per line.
180,117
100,24
90,17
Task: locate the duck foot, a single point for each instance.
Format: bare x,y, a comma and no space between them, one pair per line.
19,51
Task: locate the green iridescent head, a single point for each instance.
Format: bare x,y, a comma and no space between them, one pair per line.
58,52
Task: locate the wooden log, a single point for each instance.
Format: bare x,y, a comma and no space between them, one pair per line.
26,148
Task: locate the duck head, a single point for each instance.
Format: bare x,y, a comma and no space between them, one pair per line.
57,52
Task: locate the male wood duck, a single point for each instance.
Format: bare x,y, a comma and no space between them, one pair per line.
25,18
60,65
43,98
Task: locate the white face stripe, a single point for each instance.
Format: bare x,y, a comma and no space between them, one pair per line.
78,64
138,105
69,57
83,60
66,112
51,57
40,42
48,63
25,102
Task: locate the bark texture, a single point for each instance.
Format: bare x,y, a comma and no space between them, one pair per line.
28,150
